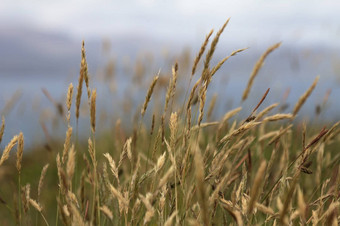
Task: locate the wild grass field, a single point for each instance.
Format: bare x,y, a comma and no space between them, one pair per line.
176,165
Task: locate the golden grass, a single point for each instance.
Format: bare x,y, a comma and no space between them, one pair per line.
148,95
200,53
304,97
67,143
259,170
93,110
79,92
257,68
8,148
20,151
2,128
69,97
206,76
41,180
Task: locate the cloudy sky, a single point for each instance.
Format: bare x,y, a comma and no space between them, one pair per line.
301,22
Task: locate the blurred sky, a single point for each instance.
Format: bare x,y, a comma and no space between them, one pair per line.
304,21
40,36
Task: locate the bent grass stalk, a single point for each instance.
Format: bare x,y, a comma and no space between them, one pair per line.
257,68
304,97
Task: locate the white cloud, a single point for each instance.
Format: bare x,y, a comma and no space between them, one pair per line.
251,20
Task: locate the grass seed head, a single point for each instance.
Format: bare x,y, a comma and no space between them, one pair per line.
36,205
67,144
8,148
41,180
93,110
149,94
20,151
200,53
304,97
69,97
257,68
2,128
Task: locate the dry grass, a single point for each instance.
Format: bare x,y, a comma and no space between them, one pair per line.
183,168
2,128
257,68
8,148
304,97
148,95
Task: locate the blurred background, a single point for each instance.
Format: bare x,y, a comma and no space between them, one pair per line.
128,42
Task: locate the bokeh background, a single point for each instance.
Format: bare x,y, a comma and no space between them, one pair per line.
130,41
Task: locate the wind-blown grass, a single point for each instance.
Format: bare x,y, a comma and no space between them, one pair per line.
263,169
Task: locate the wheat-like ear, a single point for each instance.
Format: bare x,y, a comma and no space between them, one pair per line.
41,180
152,124
174,80
79,92
2,128
160,162
25,196
92,151
108,213
20,151
148,95
61,175
85,69
202,97
265,111
69,97
171,88
8,148
69,102
83,75
257,68
206,70
238,131
127,148
278,117
192,94
71,162
67,144
173,130
304,97
113,167
219,65
93,110
35,204
200,53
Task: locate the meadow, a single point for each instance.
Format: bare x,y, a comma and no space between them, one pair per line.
173,163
